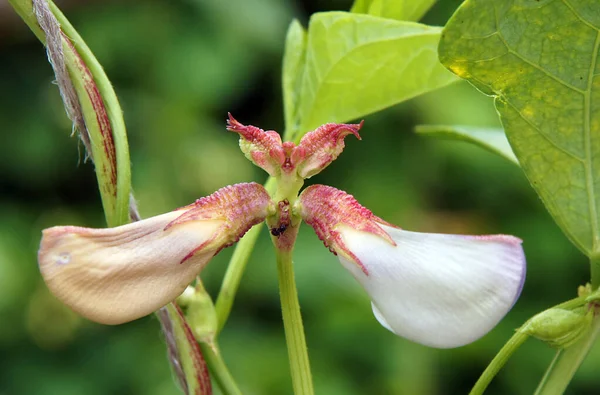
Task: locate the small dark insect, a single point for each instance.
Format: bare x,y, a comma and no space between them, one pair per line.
278,231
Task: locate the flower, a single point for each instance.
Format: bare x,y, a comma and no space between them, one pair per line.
438,290
119,274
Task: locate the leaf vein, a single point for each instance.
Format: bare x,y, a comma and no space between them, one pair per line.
306,117
589,171
578,15
552,142
536,66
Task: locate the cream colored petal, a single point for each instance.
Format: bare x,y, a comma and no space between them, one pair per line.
120,274
438,290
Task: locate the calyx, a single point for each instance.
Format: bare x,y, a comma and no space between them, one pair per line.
316,150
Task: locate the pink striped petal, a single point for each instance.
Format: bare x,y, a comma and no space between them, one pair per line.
120,274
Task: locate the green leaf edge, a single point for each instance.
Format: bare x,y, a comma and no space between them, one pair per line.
304,127
292,74
461,133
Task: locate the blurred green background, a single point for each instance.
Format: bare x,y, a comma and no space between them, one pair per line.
178,67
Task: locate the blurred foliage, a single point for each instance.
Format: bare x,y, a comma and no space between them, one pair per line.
178,67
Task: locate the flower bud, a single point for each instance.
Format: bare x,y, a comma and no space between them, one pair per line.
119,274
560,328
264,149
200,313
317,149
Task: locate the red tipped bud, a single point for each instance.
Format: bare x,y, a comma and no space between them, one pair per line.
319,148
263,148
316,150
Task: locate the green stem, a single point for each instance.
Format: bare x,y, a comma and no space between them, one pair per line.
498,362
219,370
571,304
292,322
236,268
233,275
543,383
566,363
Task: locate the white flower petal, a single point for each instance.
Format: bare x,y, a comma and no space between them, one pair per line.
438,290
119,274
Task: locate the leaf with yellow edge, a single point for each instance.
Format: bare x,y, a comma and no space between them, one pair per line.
540,60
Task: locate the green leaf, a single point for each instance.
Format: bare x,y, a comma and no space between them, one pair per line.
539,58
402,10
293,67
492,139
359,64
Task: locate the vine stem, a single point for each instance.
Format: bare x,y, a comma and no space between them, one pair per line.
498,362
233,276
292,322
